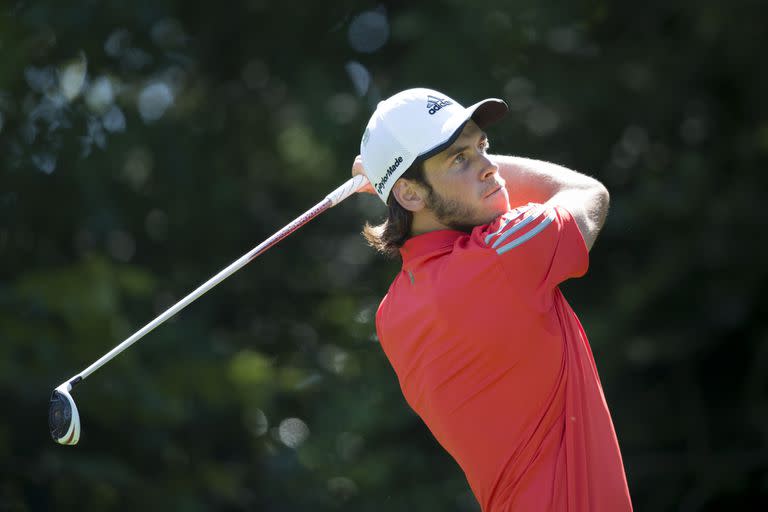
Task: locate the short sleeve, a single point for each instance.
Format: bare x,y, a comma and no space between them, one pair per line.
539,245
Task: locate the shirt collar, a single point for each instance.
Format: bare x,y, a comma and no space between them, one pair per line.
424,244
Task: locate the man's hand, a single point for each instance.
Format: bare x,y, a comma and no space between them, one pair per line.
357,168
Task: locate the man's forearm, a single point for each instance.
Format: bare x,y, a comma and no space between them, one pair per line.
535,181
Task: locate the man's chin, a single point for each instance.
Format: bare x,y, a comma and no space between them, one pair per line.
499,208
503,201
463,217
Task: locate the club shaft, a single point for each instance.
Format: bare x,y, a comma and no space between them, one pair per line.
330,200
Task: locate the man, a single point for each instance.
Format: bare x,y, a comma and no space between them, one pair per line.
487,351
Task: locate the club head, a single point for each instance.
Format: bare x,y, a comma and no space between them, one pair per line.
63,419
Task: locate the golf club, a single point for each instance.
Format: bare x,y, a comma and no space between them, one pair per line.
63,418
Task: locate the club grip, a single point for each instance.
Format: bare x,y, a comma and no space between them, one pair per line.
347,189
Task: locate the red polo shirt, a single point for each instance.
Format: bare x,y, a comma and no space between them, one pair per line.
493,359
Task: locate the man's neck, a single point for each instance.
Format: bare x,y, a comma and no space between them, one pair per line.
424,222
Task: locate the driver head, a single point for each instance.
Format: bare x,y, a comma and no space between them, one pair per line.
63,419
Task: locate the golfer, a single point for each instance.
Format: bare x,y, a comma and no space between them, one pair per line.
486,349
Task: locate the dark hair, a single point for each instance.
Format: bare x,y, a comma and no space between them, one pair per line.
389,236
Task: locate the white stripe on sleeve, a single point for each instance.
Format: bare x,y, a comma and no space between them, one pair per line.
535,215
506,219
550,216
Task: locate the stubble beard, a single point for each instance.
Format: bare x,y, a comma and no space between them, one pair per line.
452,213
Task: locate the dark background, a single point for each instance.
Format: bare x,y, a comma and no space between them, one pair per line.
145,145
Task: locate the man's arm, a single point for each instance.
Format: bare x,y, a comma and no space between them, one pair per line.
543,182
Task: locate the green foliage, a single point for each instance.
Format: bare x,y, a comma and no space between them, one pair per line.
145,145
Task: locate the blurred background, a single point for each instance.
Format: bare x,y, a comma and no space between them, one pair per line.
145,145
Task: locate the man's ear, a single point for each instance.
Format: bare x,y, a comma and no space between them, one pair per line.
409,194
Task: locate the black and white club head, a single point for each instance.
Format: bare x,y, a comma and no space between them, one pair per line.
63,419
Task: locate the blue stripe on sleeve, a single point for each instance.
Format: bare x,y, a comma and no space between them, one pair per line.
532,233
506,219
527,220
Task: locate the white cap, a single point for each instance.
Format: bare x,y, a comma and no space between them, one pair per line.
414,125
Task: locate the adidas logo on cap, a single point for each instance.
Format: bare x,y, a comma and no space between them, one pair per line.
435,103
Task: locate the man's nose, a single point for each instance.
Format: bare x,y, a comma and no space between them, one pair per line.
489,168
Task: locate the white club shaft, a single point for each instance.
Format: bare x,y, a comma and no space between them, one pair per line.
351,186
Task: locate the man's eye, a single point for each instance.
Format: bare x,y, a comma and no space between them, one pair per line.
485,144
459,158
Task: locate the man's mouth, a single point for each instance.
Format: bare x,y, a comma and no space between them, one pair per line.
493,191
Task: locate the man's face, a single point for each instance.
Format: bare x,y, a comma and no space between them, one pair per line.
467,190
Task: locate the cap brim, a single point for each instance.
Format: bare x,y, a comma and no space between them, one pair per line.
487,112
483,113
